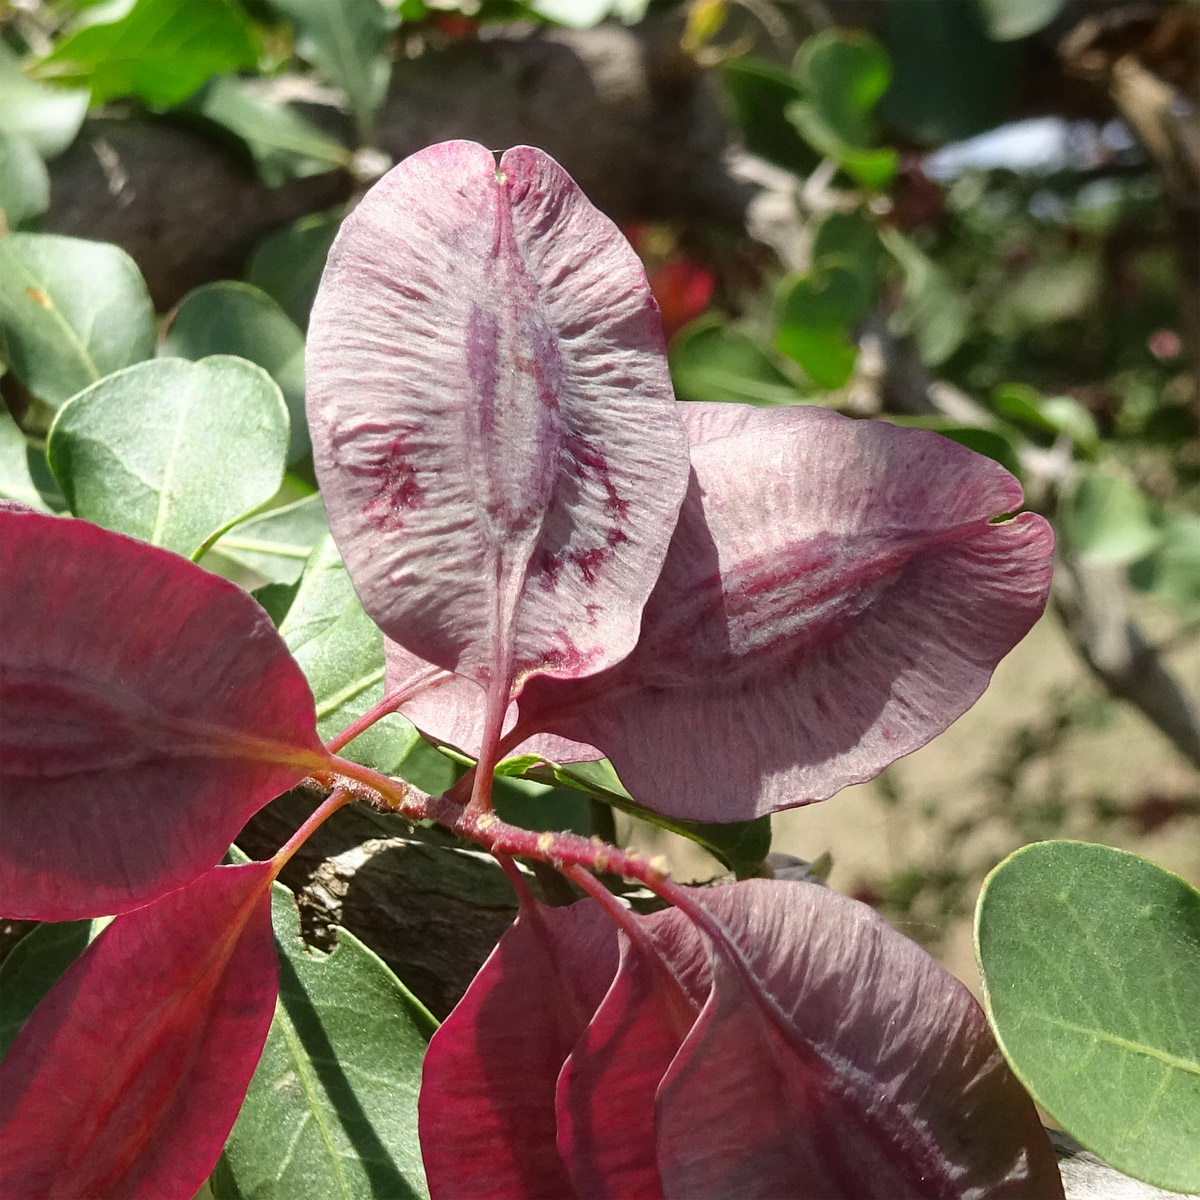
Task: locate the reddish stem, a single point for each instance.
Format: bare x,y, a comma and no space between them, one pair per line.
338,798
431,677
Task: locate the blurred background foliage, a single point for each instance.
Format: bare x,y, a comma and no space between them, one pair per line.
978,216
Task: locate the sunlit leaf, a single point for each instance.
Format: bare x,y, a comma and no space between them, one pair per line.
16,483
781,661
933,313
713,361
150,709
1090,959
284,145
480,1135
345,40
817,312
1172,569
71,312
47,117
172,452
492,420
332,1109
278,543
1109,519
236,318
160,50
114,1094
24,182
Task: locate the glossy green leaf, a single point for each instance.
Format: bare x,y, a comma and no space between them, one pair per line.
332,1109
933,313
32,968
1007,20
740,845
159,50
16,483
287,265
345,41
284,145
48,117
340,650
235,318
24,181
278,543
1109,519
817,311
1090,960
712,361
172,452
71,312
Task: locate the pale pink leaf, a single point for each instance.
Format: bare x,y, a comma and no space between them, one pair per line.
487,1106
492,418
845,1063
837,592
148,708
125,1081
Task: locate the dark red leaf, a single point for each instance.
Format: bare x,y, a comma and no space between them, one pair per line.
487,1108
125,1081
149,708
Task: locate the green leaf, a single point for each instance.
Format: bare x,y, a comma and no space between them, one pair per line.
1053,414
950,79
1172,569
1008,20
1109,520
284,145
71,312
160,50
758,93
332,1108
340,650
1090,960
47,117
32,968
172,452
236,318
24,182
740,845
933,313
287,265
542,807
711,361
278,543
345,40
816,313
842,75
16,483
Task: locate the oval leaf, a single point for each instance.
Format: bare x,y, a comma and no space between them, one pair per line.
1090,960
492,419
278,543
110,1095
235,318
150,709
71,312
781,660
172,452
332,1109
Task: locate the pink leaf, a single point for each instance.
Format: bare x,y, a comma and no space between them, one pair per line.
492,418
843,1063
836,593
487,1117
149,708
449,711
127,1078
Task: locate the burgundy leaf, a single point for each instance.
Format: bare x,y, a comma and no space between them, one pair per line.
844,1063
606,1091
487,1116
127,1078
492,418
149,708
836,593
